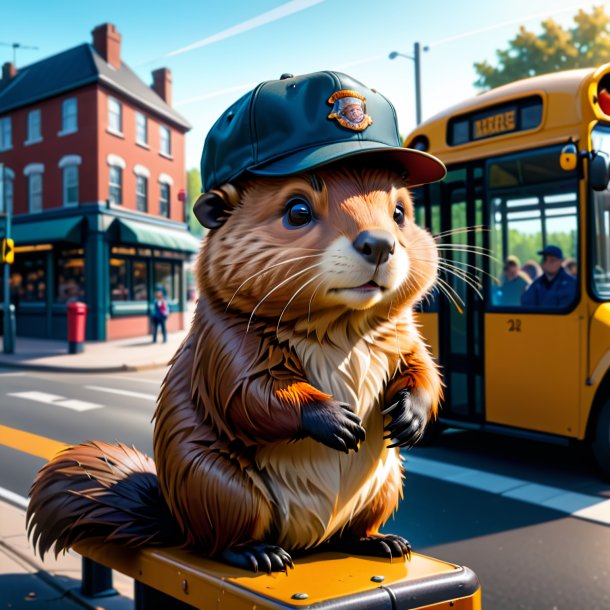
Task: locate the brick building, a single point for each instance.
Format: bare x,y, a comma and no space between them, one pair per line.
94,173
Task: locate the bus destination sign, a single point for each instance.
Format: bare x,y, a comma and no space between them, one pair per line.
519,115
495,124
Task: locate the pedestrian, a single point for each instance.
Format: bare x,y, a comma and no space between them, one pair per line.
160,313
555,287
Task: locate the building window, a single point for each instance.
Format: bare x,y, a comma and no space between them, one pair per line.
116,185
35,192
29,278
141,129
164,199
6,206
115,116
167,278
69,276
141,193
128,279
34,127
6,133
69,116
70,185
165,141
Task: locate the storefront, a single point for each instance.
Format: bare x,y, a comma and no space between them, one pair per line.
111,259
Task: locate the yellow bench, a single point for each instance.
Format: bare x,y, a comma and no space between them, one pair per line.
174,579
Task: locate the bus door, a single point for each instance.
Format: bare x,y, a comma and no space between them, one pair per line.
532,350
461,310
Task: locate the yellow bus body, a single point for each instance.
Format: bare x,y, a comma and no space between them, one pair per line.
557,363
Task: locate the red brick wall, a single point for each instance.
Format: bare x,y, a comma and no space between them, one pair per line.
138,326
52,148
125,147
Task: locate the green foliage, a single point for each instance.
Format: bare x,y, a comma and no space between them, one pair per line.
587,44
193,190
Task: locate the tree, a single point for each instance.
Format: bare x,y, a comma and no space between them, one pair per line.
585,45
193,190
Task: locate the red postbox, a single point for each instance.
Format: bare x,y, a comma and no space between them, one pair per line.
77,320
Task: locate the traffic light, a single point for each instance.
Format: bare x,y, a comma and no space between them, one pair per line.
7,255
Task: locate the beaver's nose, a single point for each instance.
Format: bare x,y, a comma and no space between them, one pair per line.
375,246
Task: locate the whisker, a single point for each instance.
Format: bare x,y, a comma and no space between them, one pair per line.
265,270
461,230
277,329
309,306
288,279
465,277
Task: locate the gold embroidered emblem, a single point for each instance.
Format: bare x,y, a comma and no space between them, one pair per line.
349,109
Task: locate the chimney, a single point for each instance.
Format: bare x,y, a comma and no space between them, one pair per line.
107,42
9,71
162,84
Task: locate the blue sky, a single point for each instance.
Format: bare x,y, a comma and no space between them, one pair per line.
218,50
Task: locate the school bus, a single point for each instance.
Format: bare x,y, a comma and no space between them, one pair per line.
528,168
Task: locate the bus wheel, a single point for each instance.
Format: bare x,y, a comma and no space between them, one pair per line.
600,443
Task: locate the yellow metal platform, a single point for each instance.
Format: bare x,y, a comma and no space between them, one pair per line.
321,580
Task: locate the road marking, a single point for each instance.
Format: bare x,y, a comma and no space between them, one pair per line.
98,388
582,506
7,373
39,446
59,401
13,498
157,382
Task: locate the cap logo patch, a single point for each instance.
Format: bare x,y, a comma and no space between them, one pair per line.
349,110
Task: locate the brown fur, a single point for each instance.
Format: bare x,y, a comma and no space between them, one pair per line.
272,336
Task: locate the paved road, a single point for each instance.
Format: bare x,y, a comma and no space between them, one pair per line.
532,520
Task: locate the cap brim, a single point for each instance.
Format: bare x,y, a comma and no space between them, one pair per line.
421,167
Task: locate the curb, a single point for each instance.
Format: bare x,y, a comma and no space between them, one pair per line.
52,368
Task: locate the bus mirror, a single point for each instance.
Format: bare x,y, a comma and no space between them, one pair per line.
599,171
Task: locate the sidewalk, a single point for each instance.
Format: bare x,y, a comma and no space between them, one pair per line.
28,583
135,354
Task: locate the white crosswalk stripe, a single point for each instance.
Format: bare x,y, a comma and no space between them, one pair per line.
58,401
130,393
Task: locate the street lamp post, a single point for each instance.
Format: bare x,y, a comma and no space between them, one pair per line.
416,60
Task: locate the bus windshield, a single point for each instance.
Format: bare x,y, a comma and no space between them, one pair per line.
600,220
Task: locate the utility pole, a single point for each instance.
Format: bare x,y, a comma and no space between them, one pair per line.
416,58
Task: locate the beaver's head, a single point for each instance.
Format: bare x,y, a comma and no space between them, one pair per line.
337,241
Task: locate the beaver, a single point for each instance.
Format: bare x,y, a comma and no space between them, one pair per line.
279,423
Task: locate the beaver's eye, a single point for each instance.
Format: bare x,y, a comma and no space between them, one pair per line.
298,213
399,214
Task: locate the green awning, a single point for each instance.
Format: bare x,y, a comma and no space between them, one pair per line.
134,232
48,231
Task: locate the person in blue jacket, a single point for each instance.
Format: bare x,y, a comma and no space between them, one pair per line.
555,287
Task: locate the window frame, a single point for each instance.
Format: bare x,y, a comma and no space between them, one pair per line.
6,133
33,138
162,187
115,111
72,167
68,115
141,197
165,143
119,169
538,189
31,193
141,124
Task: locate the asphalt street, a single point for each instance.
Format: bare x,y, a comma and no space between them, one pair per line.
532,520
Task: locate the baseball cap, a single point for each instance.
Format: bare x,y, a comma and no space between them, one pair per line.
297,123
551,251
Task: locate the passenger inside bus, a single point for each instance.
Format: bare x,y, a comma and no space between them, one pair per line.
532,269
514,283
555,287
571,266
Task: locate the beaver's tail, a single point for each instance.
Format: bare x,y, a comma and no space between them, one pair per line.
98,490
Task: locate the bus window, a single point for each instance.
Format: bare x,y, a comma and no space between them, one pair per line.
534,205
600,234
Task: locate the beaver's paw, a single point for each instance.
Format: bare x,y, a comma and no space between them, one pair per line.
333,424
409,413
379,545
258,557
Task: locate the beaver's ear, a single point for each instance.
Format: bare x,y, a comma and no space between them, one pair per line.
213,208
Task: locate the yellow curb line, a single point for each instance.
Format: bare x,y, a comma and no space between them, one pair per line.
40,446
